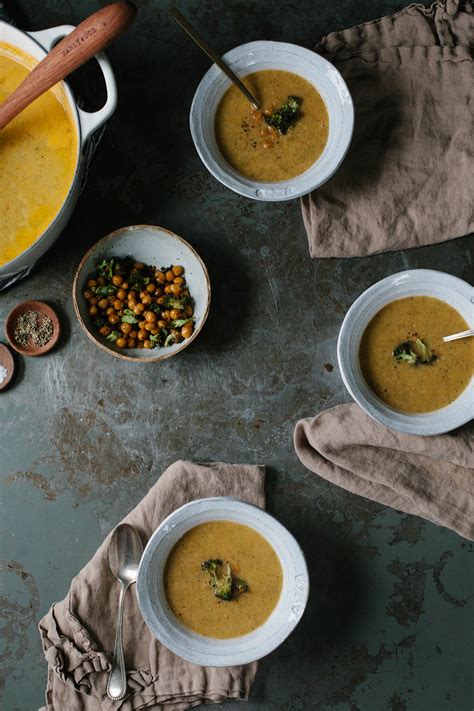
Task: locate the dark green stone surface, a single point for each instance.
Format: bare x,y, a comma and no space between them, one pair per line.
83,436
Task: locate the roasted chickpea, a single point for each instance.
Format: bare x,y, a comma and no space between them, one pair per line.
131,343
139,266
126,328
141,324
150,316
185,292
117,304
132,303
125,285
147,344
161,323
94,301
154,331
91,283
103,303
160,300
160,277
111,299
110,310
104,331
188,310
147,300
150,287
177,270
88,294
175,313
187,330
101,280
93,310
121,342
178,280
142,334
113,318
165,315
117,279
121,294
167,289
169,275
175,289
132,294
133,333
149,326
142,295
138,309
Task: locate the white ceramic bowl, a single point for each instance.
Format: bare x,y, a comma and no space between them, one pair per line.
255,56
221,652
37,45
414,282
150,245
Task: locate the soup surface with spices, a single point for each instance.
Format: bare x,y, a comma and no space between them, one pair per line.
222,579
260,150
38,155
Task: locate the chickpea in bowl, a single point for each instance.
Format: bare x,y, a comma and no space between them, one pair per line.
145,307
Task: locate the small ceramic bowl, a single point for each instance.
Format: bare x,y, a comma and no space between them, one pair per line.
155,246
207,651
414,282
255,56
43,310
8,364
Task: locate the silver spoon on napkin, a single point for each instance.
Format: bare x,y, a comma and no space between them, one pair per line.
125,552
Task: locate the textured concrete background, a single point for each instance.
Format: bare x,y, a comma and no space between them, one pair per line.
83,436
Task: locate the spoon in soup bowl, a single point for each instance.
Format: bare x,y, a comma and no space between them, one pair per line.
457,336
201,42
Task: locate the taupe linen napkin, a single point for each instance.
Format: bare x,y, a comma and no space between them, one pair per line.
407,178
78,632
432,477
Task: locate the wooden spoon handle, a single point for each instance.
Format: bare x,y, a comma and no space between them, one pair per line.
92,35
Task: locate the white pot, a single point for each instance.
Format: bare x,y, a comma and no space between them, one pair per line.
37,45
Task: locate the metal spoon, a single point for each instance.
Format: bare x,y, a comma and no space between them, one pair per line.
457,336
125,552
201,42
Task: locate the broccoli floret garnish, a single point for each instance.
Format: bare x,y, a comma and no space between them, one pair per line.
286,116
414,352
223,585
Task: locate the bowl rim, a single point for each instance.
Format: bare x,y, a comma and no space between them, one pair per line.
109,238
234,180
409,423
217,505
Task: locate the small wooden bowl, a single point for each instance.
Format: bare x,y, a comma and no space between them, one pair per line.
6,359
44,310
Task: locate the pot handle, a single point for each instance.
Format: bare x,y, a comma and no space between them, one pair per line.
89,121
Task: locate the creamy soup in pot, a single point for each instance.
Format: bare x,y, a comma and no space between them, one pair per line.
259,150
201,564
38,155
405,361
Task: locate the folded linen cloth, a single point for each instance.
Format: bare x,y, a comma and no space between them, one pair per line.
406,181
78,633
431,477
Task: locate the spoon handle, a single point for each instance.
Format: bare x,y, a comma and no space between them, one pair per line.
92,35
117,682
457,336
201,42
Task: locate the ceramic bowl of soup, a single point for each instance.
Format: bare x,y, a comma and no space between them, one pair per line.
149,245
42,152
245,153
237,550
393,360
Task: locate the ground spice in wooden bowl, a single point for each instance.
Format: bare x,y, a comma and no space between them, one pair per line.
32,328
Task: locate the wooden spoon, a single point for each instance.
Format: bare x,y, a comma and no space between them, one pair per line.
92,35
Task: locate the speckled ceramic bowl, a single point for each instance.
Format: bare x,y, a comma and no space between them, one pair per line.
205,650
255,56
150,245
415,282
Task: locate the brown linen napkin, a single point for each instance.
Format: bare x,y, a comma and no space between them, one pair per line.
78,632
432,477
407,178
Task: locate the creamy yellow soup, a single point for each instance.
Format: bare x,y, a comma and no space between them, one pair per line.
251,558
256,150
38,154
420,387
